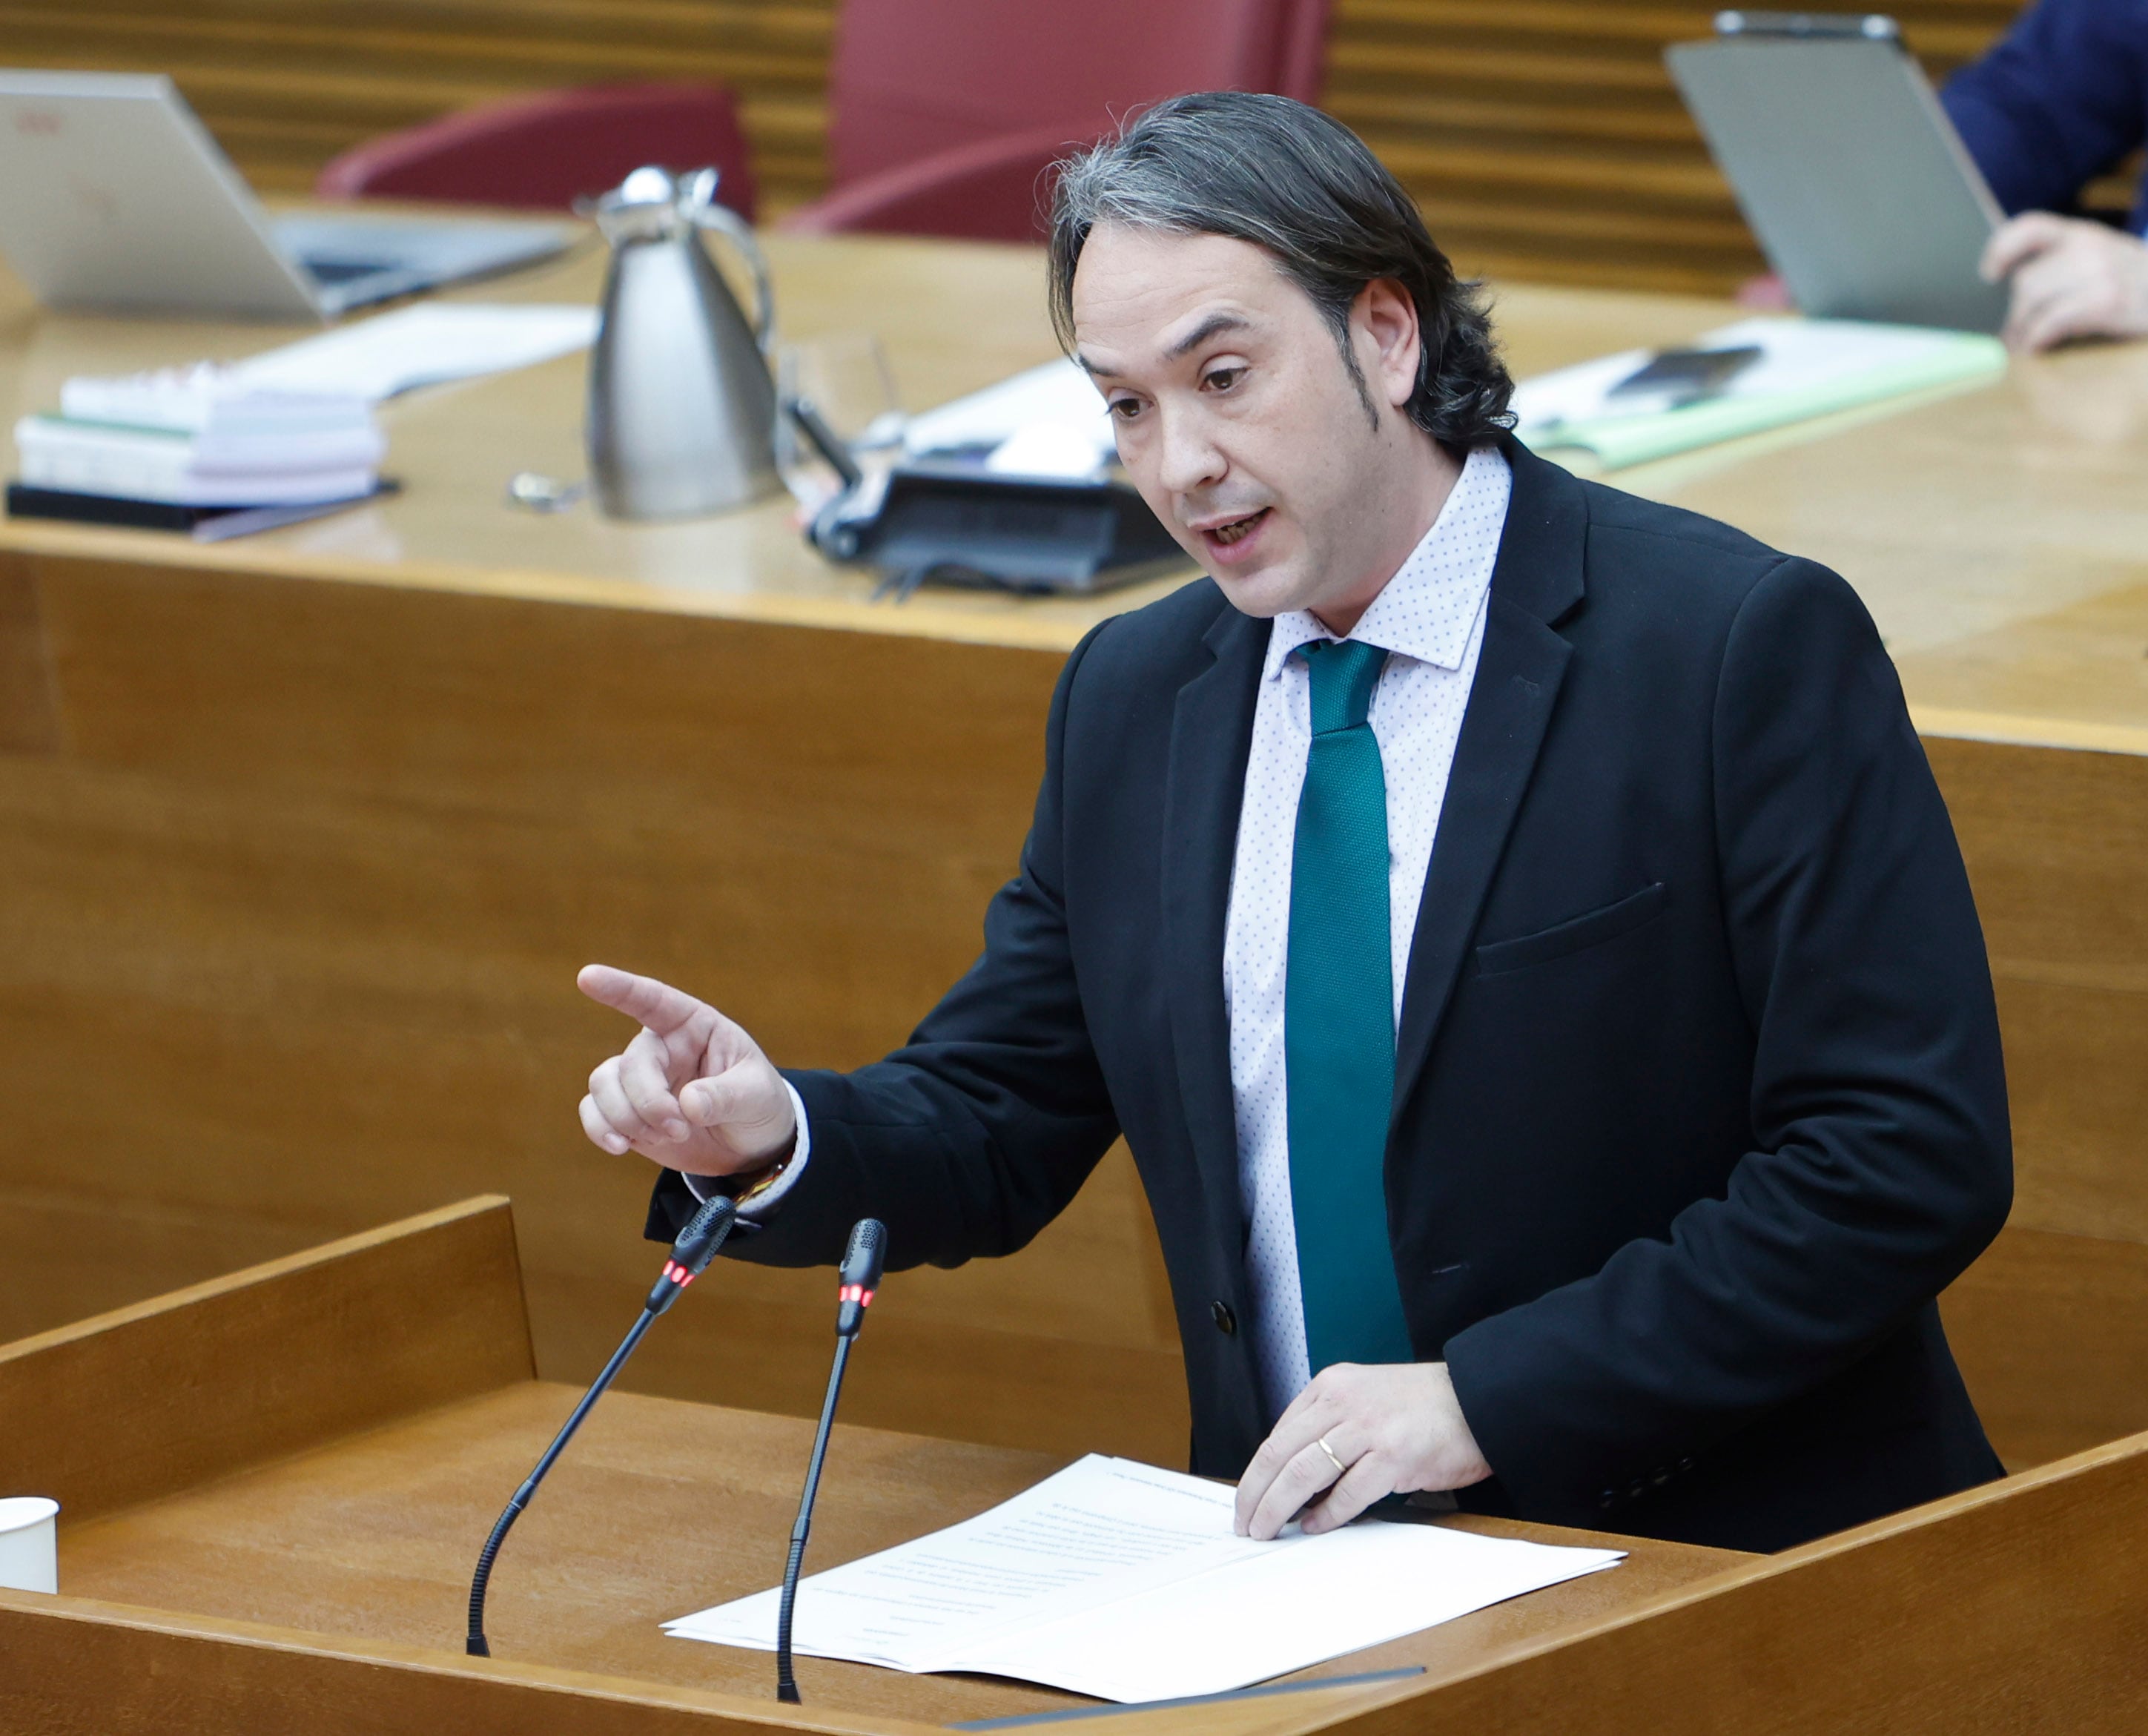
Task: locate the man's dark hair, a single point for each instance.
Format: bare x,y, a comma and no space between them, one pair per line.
1291,179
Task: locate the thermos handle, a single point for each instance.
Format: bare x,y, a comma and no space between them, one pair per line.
709,215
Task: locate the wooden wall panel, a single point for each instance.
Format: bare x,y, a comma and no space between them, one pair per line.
2056,843
1542,136
286,84
2051,1332
2050,1326
284,804
29,720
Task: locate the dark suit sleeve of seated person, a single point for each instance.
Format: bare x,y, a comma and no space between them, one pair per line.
1777,1354
2058,100
970,1139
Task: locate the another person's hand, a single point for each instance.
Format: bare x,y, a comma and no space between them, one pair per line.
691,1092
1396,1428
2072,278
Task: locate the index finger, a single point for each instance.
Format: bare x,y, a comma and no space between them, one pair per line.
656,1005
1305,1475
2019,238
1293,1433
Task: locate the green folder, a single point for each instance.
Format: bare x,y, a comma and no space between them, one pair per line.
1963,358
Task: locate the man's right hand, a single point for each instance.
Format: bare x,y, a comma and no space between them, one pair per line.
2072,278
692,1091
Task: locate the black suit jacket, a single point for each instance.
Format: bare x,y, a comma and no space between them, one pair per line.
1698,1101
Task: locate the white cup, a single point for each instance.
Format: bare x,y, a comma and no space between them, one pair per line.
29,1543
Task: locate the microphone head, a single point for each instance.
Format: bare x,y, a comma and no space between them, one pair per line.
866,1254
703,1234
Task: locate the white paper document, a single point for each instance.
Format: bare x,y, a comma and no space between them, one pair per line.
423,345
1806,368
1125,1581
1044,421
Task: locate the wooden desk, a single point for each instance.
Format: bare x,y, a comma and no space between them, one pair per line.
273,1488
302,838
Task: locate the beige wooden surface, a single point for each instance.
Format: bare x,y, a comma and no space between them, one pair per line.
302,838
318,1590
358,1519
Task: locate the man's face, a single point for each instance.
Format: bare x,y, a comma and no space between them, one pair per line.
1238,421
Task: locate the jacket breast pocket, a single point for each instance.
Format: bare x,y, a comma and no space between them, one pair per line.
1593,928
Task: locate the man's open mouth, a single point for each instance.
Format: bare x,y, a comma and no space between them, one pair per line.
1237,528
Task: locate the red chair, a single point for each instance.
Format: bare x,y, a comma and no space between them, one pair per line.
545,151
993,190
943,117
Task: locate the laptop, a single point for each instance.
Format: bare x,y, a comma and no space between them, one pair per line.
114,196
1848,171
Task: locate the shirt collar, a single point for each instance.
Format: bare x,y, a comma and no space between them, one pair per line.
1429,609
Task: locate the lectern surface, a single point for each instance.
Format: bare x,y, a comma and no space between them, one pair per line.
660,1508
274,1485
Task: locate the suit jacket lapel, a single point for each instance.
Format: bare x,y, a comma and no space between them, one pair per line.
1211,737
1536,582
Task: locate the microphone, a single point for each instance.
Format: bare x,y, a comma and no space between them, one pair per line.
690,1254
863,1261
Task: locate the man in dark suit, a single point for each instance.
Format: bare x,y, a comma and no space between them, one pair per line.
1512,923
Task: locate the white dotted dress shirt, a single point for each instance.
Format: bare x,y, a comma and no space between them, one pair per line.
1430,621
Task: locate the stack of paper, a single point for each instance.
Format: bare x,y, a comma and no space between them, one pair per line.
1807,368
200,437
428,344
1047,421
1119,1580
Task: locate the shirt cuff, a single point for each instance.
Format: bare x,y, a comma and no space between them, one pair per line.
763,1203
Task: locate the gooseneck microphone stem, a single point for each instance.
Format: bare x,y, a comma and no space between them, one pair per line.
690,1254
786,1684
859,1278
475,1643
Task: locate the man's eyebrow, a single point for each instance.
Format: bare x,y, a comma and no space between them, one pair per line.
1201,334
1208,328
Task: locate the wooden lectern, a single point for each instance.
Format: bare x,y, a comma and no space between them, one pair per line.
274,1486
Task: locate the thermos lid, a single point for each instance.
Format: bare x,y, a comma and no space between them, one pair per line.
653,204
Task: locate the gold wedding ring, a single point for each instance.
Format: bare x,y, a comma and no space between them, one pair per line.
1340,1467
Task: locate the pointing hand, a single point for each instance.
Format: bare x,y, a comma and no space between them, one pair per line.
691,1091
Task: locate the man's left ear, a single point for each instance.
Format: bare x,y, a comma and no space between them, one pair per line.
1387,315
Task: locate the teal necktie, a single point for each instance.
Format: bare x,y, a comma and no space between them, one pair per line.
1338,1022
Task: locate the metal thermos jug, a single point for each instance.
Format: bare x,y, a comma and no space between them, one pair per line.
682,409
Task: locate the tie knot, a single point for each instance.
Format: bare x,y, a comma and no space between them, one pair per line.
1344,673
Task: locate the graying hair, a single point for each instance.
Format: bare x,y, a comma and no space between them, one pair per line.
1289,179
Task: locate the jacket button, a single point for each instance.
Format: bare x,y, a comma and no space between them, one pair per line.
1227,1322
1608,1500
